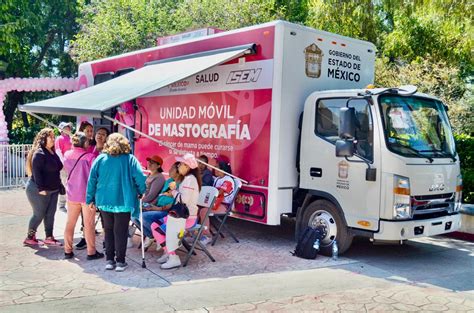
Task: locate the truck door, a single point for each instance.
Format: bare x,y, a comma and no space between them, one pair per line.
337,178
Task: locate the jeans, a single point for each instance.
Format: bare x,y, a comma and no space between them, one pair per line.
44,208
130,134
150,217
116,234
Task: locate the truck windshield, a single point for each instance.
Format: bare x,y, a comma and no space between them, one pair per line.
416,127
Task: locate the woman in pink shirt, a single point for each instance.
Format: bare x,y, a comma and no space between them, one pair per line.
78,163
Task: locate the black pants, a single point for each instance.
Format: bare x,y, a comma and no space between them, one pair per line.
116,235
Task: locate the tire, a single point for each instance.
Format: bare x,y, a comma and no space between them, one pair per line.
325,213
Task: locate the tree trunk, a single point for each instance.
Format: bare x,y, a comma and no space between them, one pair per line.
14,98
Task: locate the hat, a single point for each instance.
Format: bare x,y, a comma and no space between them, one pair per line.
222,158
189,160
155,158
64,124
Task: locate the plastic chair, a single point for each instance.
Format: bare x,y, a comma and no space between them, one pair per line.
221,218
206,200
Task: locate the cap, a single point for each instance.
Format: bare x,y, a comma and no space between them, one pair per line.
155,158
64,124
222,158
189,160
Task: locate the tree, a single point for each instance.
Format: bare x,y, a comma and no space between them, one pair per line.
436,78
35,38
224,14
110,27
357,19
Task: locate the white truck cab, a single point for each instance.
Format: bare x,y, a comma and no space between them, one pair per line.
379,163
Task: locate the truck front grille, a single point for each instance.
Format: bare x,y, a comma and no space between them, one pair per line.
431,206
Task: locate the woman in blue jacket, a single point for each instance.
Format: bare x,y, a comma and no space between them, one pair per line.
115,183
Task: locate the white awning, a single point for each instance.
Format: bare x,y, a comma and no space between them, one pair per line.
94,100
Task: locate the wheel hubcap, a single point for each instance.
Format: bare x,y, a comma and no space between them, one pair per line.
327,223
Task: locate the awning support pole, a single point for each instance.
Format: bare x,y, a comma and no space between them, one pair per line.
48,122
168,146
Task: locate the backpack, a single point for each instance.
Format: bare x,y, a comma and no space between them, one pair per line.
304,247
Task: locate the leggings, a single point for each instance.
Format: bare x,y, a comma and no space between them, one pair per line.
116,234
44,208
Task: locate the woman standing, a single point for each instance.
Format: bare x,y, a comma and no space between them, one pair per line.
78,163
187,193
43,167
95,146
115,183
88,129
100,138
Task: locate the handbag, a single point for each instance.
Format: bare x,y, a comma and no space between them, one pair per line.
62,189
179,209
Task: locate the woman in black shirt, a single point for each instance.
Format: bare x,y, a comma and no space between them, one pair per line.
43,166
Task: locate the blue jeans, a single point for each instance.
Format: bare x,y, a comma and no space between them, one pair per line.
150,217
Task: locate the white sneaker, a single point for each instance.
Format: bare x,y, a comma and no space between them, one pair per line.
120,267
173,261
148,242
163,259
129,243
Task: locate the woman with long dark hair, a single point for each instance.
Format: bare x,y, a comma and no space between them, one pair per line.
43,166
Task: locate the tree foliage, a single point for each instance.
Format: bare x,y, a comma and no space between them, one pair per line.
34,38
355,19
435,78
110,27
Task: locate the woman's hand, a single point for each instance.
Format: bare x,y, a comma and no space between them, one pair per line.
43,193
92,206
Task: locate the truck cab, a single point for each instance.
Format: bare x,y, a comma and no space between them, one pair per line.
380,163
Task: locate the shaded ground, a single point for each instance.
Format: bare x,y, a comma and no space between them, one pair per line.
257,274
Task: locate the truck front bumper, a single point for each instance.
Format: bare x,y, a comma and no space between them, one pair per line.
402,230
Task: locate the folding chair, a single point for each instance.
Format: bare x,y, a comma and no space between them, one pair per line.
207,197
222,217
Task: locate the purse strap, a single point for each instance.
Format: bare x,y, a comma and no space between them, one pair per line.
69,176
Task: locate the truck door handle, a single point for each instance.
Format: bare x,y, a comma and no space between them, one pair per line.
315,172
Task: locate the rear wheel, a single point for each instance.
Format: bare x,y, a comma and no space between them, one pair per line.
322,213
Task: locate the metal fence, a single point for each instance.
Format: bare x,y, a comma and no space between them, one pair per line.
13,160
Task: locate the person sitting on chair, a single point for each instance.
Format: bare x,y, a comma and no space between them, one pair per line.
159,209
154,183
188,194
226,186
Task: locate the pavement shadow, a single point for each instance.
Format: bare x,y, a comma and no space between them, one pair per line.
440,261
261,249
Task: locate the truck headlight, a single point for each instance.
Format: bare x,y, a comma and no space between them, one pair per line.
458,195
401,197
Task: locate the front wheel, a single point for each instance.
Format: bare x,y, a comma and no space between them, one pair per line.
322,213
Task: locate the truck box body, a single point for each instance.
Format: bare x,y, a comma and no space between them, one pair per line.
246,109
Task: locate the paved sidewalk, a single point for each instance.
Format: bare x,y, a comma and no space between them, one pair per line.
257,274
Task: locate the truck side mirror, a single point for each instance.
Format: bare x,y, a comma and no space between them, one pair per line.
347,120
344,148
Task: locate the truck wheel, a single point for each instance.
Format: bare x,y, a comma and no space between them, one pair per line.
324,213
